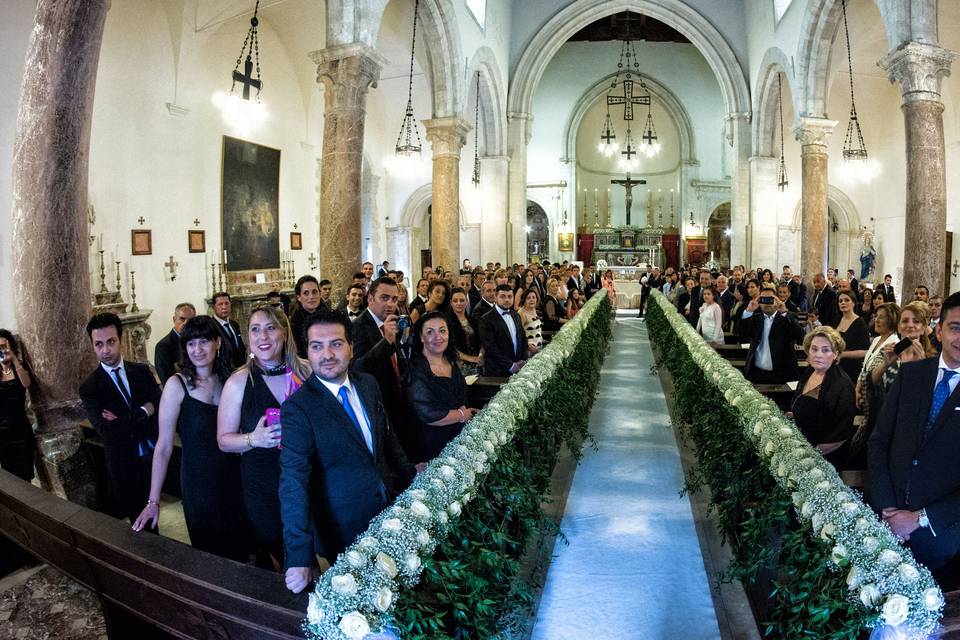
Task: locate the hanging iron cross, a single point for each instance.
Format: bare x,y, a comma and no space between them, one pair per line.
246,78
629,151
608,136
649,136
628,99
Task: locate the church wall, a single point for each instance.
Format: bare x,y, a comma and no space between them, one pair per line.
15,28
147,162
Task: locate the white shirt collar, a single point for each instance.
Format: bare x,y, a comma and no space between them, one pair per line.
375,318
110,369
333,387
943,365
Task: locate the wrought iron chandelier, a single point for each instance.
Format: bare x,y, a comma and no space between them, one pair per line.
251,47
476,137
408,128
629,66
782,181
853,146
628,162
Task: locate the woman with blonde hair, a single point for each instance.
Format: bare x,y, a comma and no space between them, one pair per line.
914,320
248,423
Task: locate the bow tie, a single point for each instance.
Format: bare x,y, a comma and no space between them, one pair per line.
353,314
504,313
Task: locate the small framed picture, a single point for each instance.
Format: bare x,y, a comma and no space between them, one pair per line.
141,242
296,241
196,241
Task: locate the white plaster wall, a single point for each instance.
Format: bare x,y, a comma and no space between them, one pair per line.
146,162
16,23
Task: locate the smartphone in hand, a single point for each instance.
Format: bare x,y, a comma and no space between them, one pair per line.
272,418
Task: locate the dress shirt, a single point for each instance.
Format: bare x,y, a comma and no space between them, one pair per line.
762,357
376,319
511,326
229,329
953,381
353,315
123,376
355,404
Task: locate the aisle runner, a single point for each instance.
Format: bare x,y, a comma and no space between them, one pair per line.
633,568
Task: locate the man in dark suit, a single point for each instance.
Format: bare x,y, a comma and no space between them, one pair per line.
854,283
475,292
232,349
591,281
575,281
825,300
120,399
488,301
167,352
889,293
341,463
913,452
727,299
503,338
375,337
772,334
423,287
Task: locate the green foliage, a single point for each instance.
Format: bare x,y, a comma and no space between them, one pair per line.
809,597
471,588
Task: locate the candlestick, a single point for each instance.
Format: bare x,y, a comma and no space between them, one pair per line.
118,275
213,277
133,294
596,209
103,274
223,267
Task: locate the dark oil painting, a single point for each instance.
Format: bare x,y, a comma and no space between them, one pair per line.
250,201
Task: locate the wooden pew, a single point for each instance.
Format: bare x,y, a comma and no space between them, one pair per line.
482,391
779,393
740,363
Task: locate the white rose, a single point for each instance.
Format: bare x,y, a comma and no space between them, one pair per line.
870,544
454,508
442,517
757,428
411,562
345,585
488,447
467,497
827,532
437,482
889,556
932,599
806,509
314,610
387,565
895,610
481,456
786,432
909,572
383,599
737,401
797,498
479,467
768,449
850,507
417,494
815,474
368,542
869,595
419,509
423,537
392,525
838,555
355,559
842,496
781,470
824,484
451,461
862,524
354,625
816,522
729,394
853,578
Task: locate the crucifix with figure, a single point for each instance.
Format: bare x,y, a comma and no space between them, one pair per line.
628,99
628,184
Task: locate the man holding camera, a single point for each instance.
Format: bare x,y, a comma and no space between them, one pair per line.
772,358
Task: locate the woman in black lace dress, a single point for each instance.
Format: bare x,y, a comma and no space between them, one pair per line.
17,443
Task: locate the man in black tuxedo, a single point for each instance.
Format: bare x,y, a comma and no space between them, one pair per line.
591,281
167,352
423,287
727,299
488,301
575,281
120,399
913,452
854,283
375,337
503,338
341,463
889,293
825,300
475,292
352,304
232,350
772,334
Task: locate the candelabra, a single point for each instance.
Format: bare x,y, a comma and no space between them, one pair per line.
223,267
118,275
213,277
103,274
133,294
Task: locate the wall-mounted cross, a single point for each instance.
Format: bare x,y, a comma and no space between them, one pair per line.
628,99
295,226
196,222
141,220
172,266
246,78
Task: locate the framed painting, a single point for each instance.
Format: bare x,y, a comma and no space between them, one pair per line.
196,241
141,242
250,205
296,241
565,242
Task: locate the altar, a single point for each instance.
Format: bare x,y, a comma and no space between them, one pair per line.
628,247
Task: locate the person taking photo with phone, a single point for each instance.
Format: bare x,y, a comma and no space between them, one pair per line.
772,334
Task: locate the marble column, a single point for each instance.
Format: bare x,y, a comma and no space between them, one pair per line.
495,176
813,135
763,211
447,137
519,133
919,69
50,249
738,137
346,72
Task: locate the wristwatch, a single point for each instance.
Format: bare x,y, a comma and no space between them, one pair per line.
922,518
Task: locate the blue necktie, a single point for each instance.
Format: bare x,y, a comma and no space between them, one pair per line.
344,396
940,395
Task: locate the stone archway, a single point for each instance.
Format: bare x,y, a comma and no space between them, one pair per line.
766,117
538,233
718,238
844,228
493,113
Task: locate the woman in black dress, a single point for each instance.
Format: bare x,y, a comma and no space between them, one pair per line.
855,334
824,403
17,443
209,478
463,332
272,373
436,391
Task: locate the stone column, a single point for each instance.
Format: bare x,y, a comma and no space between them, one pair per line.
346,72
919,69
763,211
813,134
494,179
738,137
50,249
447,136
518,137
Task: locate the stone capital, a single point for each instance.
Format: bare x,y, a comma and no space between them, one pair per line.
347,71
919,69
447,135
814,131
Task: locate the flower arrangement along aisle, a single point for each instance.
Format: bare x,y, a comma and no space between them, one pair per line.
443,560
840,569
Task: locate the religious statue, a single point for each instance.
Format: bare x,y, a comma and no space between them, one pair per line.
868,258
628,184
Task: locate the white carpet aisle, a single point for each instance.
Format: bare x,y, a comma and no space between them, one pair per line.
633,568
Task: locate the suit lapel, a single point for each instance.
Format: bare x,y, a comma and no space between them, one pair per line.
120,402
339,415
947,414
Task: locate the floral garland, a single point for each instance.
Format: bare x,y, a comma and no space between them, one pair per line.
357,594
881,574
